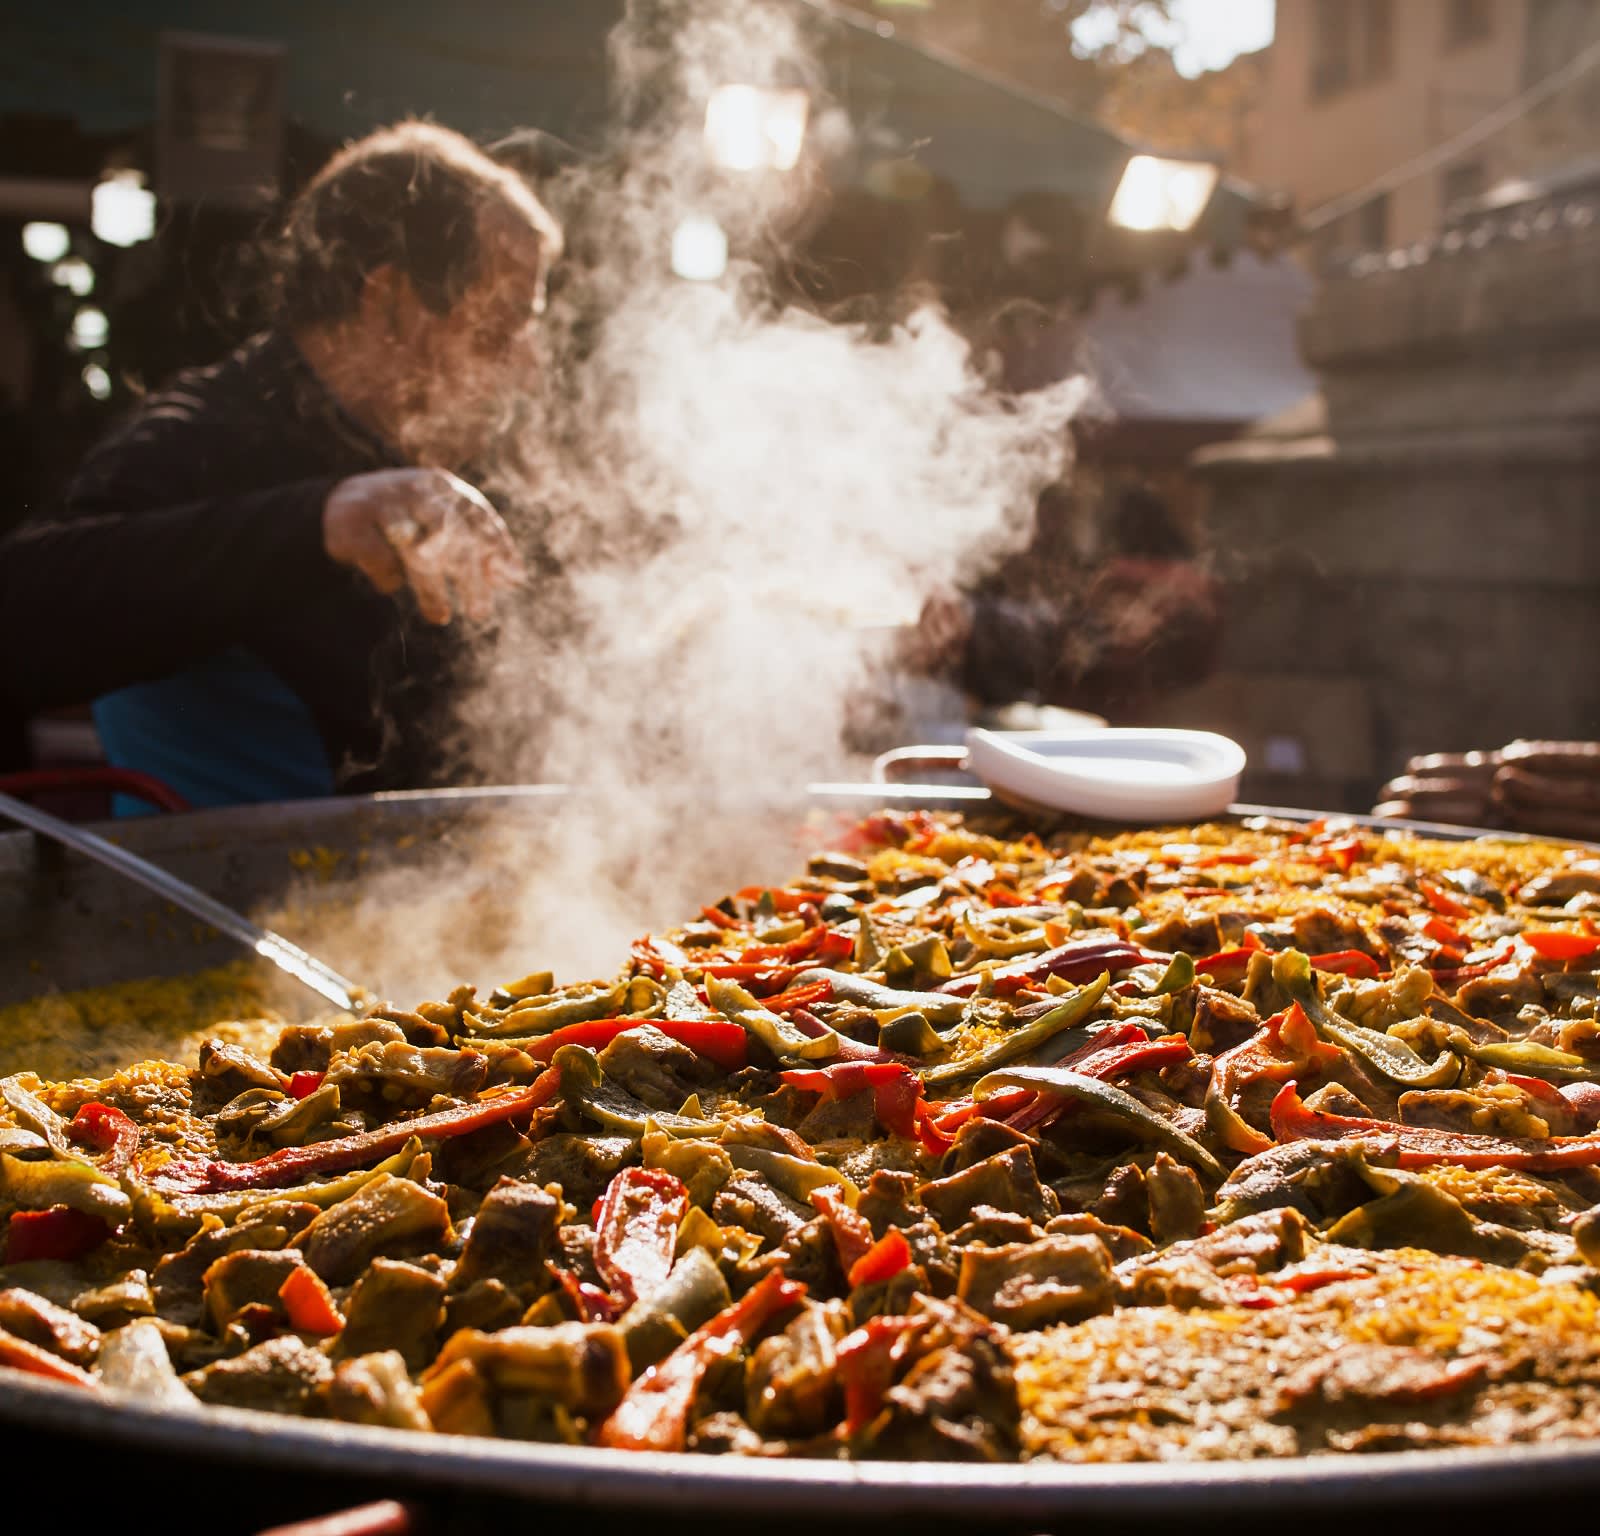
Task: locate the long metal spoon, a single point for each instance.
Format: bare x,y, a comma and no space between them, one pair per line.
288,957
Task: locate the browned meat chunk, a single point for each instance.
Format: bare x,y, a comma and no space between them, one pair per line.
400,1075
995,1229
1030,1285
51,1327
178,1277
375,1389
395,1306
791,1383
512,1235
1121,1242
1192,1274
246,1278
1007,1181
227,1070
386,1215
654,1068
582,1366
1500,996
283,1375
958,1403
1194,932
581,1165
1177,1202
303,1048
1319,932
1383,1375
978,1139
889,1200
751,1203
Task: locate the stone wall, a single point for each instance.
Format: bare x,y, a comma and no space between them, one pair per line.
1413,559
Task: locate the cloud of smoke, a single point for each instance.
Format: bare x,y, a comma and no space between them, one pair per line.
735,499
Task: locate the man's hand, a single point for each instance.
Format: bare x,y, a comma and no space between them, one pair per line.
426,529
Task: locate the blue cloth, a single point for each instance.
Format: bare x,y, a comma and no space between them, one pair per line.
227,731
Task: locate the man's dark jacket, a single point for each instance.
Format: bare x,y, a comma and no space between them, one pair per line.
195,527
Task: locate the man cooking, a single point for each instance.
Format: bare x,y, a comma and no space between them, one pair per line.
239,571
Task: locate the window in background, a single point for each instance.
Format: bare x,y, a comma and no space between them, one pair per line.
1467,22
1352,44
1372,224
1465,179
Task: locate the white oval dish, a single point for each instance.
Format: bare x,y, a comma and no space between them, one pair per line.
1119,774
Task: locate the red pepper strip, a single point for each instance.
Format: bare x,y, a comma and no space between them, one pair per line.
720,918
107,1130
204,1176
1105,1064
1082,961
867,1359
1441,901
1230,857
1341,854
303,1084
852,1232
1422,1146
1452,977
1446,933
1226,965
20,1355
849,1050
882,1261
717,1040
1286,1046
656,955
654,1412
1534,1087
799,997
636,1235
820,941
590,1303
1555,945
782,901
309,1305
1348,962
1314,1280
1002,896
59,1233
895,1089
759,973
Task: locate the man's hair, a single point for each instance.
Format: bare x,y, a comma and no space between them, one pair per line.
410,197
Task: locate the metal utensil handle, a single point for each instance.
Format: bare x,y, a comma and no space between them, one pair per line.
270,946
898,764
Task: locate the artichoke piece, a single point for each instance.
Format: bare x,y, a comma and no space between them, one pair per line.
585,1087
1394,1059
865,993
134,1361
775,1032
581,1366
1020,1041
1149,1125
543,1015
692,1294
35,1186
910,1034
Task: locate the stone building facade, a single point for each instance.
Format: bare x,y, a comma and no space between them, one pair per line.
1412,557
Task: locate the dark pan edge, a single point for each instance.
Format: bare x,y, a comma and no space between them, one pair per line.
615,1480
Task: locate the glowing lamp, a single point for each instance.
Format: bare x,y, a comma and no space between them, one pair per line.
751,129
46,242
75,275
699,250
123,209
1162,194
90,328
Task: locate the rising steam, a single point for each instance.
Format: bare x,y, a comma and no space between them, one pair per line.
734,497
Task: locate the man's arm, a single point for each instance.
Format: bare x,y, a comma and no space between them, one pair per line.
106,599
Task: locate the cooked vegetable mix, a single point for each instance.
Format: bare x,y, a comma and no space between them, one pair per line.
972,1143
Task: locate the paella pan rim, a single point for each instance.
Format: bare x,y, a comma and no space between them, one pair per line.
618,1479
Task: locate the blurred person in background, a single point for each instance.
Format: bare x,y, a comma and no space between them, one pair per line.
253,575
1146,622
